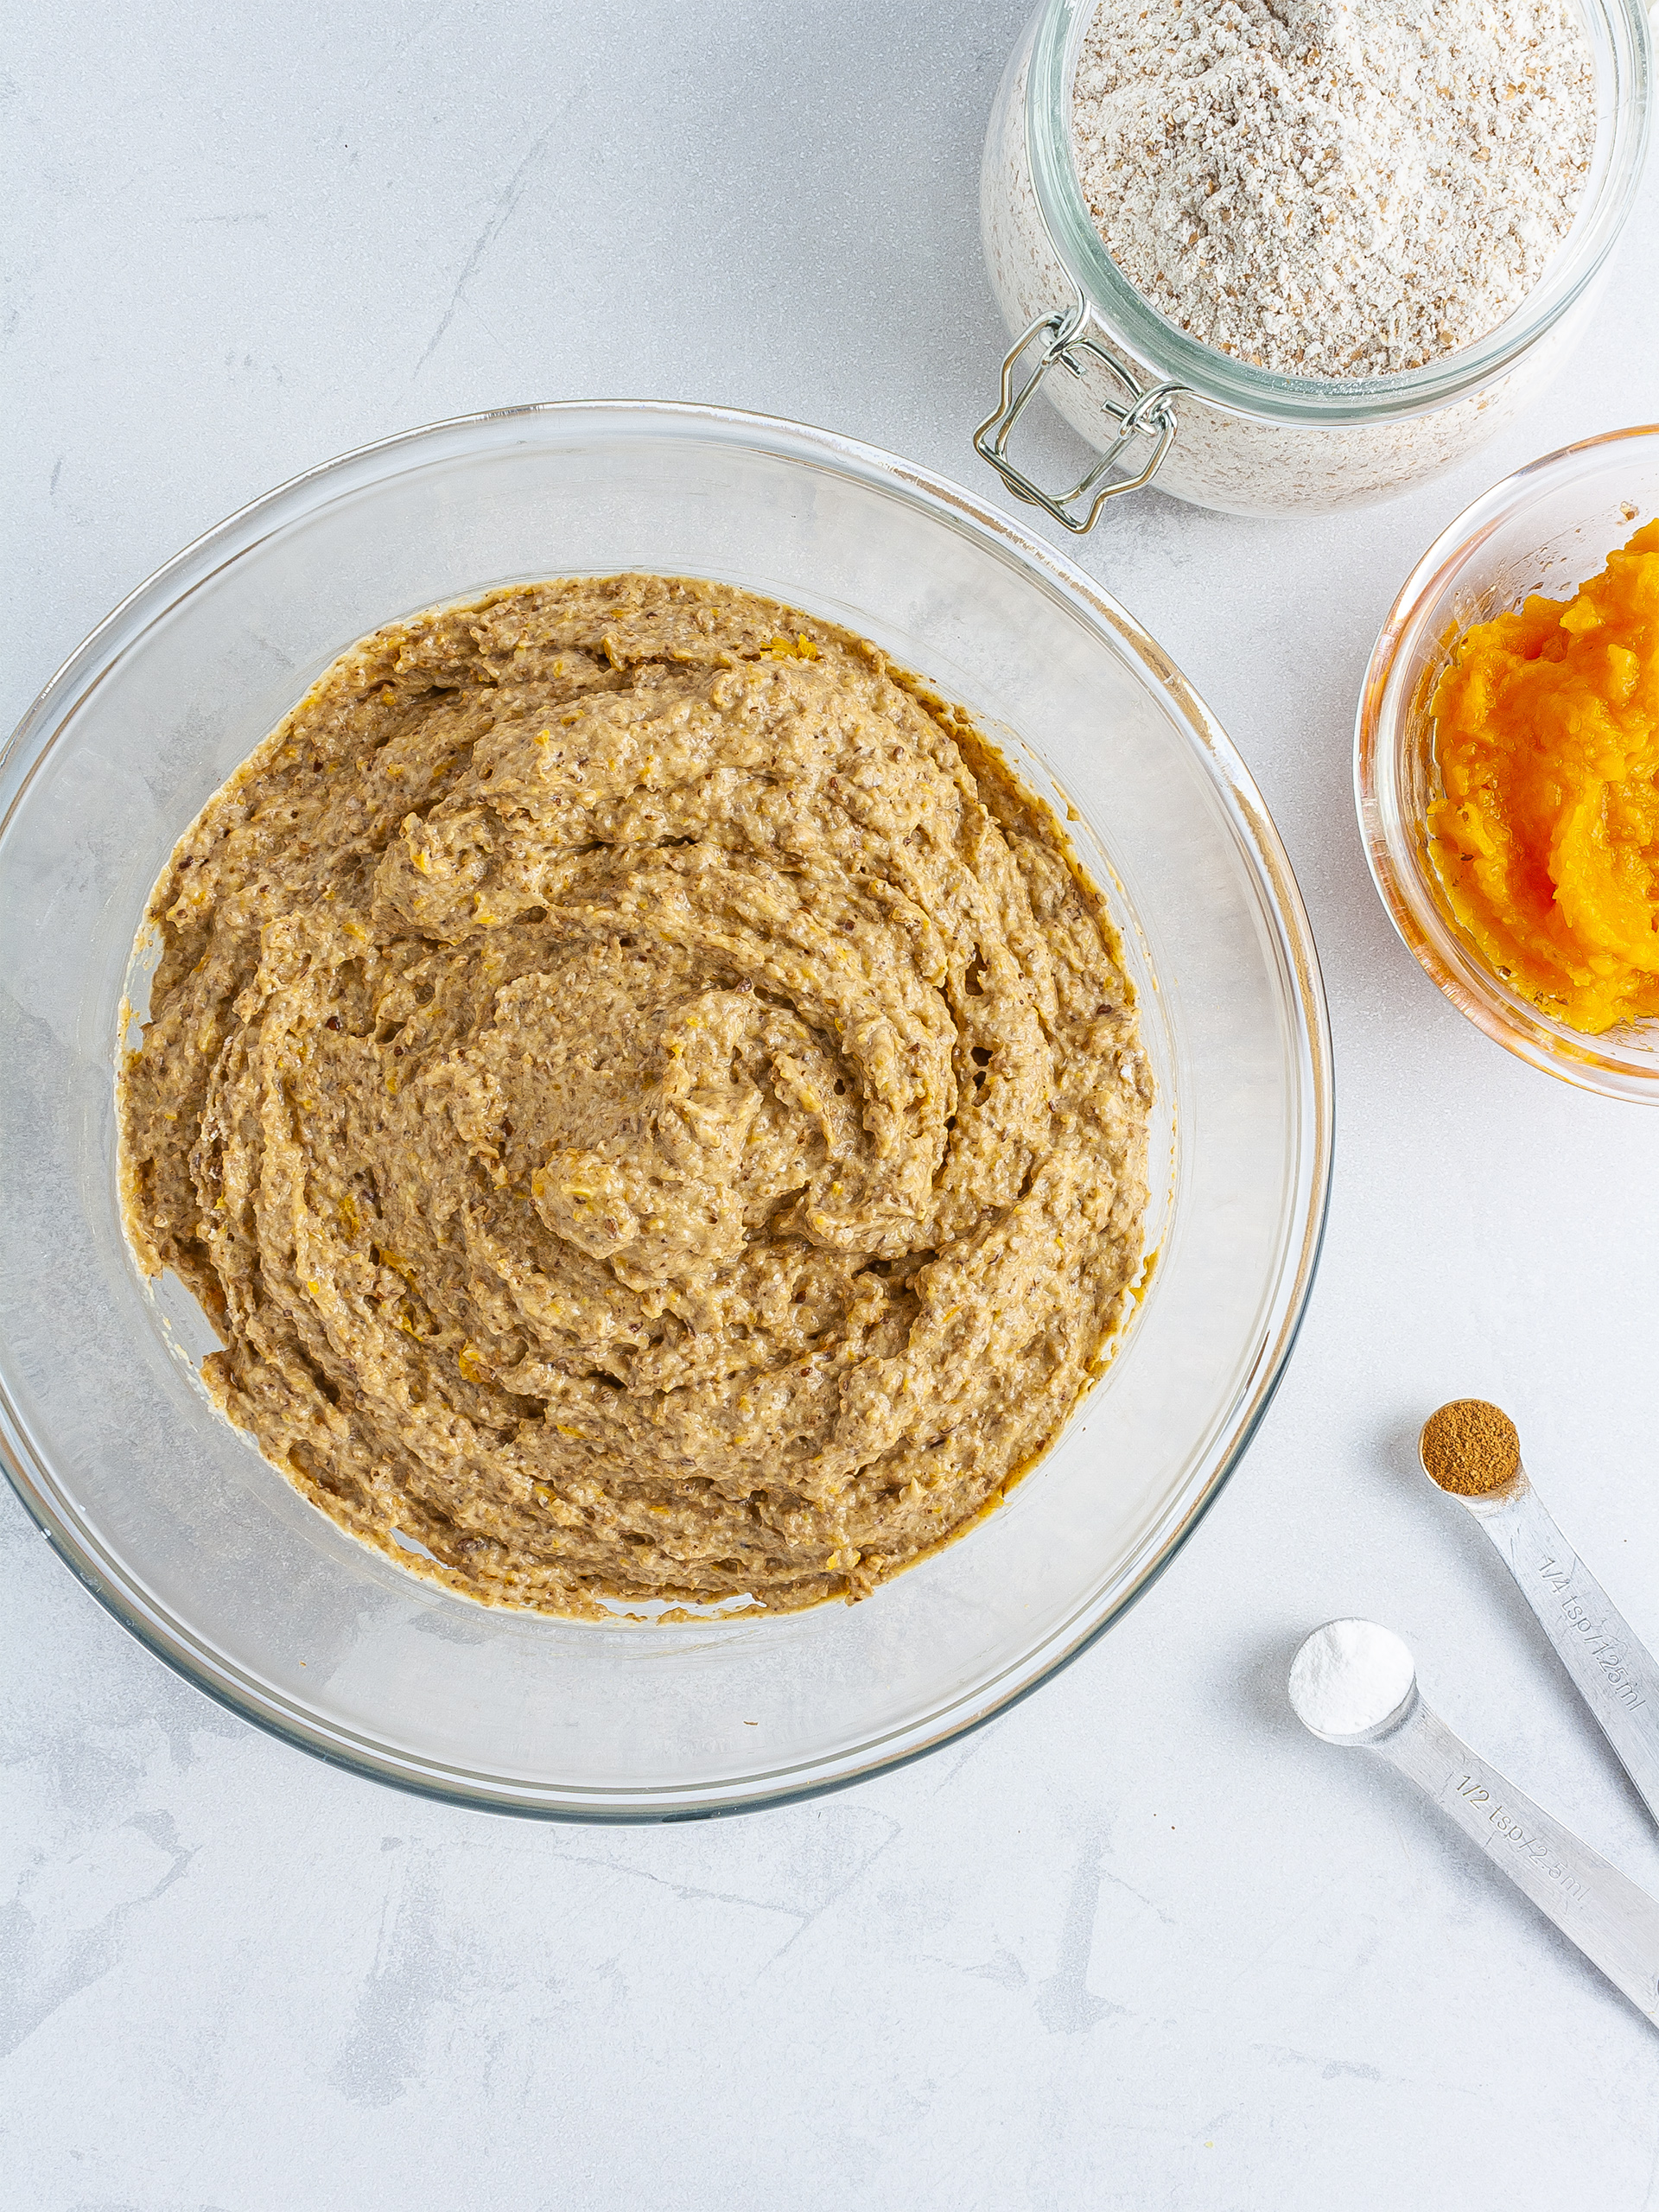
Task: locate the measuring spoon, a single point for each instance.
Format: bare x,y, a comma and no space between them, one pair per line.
1354,1683
1613,1669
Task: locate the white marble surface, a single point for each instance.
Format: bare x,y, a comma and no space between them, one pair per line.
1141,1943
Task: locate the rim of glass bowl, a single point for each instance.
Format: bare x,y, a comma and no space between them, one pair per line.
1384,729
169,1637
1623,41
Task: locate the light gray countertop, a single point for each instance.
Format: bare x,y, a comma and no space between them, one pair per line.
1141,1942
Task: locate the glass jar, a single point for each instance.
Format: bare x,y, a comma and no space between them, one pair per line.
1218,430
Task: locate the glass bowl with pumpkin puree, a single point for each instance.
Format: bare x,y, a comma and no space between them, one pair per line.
1507,763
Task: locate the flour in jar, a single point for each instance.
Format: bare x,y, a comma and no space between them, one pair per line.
1332,190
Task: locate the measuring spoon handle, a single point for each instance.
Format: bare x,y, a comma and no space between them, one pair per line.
1613,1671
1613,1922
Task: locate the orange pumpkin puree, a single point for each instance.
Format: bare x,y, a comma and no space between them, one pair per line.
1546,835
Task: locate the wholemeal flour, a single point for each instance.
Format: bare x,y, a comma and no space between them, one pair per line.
1333,190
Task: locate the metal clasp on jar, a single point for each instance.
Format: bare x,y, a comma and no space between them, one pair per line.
1148,411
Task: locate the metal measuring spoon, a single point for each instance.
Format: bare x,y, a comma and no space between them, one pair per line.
1473,1451
1355,1683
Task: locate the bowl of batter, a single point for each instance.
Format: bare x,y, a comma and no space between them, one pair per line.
646,1099
667,1108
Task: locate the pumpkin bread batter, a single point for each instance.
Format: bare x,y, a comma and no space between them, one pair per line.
645,1099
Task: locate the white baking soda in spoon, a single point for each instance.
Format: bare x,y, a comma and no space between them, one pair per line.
1349,1678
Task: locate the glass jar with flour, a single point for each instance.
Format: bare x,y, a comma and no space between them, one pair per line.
1257,172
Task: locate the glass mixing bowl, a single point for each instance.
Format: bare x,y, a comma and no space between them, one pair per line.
1545,529
203,1551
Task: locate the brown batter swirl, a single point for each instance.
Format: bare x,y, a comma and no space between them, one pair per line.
645,1099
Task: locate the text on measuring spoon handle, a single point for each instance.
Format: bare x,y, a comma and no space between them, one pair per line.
1611,1653
1519,1836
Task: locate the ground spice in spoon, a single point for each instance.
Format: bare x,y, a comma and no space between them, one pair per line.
1470,1447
